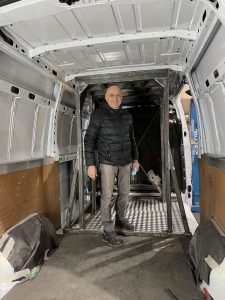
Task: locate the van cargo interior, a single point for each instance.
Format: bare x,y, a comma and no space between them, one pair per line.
67,60
57,58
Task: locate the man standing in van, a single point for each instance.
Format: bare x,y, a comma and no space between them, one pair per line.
110,132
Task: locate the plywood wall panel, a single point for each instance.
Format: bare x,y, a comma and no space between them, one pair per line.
212,193
29,191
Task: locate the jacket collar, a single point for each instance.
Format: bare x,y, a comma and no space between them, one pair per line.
105,106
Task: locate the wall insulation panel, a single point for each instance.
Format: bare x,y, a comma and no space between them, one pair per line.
212,192
28,191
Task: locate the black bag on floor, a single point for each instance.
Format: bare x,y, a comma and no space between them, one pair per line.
25,246
206,241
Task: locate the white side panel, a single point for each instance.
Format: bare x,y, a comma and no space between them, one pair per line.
18,73
73,133
211,60
5,105
41,136
24,121
218,100
67,132
63,133
209,125
23,130
209,89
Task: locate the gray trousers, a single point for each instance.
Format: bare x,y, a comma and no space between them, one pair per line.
108,175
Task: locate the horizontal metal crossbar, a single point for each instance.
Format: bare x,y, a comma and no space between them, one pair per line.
137,36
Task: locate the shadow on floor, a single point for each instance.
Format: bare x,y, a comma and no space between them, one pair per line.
83,267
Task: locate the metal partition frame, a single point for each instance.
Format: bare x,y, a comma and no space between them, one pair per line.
168,169
77,171
165,158
80,162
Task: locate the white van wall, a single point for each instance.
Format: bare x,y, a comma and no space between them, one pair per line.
209,82
38,121
30,102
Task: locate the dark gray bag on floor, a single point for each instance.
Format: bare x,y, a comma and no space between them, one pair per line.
206,241
25,247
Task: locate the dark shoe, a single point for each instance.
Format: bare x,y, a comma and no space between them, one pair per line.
112,239
124,224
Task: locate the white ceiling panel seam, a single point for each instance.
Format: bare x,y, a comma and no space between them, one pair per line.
179,34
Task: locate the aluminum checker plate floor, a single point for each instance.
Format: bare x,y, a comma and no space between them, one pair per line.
147,214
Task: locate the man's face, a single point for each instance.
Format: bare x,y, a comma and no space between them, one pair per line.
114,96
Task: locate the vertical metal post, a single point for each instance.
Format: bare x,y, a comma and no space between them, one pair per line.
166,191
52,148
72,197
162,148
178,193
80,162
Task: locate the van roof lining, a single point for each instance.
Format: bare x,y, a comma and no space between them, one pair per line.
133,35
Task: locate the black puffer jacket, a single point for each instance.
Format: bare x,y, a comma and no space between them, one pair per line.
110,131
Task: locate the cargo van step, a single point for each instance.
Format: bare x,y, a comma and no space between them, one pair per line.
147,214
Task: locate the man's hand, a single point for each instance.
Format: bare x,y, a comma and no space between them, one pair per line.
92,172
135,165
